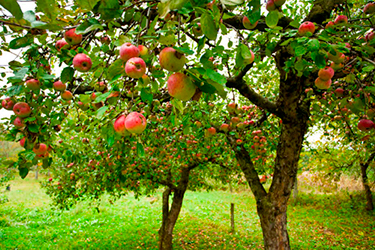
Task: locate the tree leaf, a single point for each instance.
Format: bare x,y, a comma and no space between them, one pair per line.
87,4
216,77
116,68
14,90
88,25
23,172
21,42
140,150
13,7
33,128
208,26
320,61
67,74
100,112
146,96
272,19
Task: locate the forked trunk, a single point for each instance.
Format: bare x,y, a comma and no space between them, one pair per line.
170,216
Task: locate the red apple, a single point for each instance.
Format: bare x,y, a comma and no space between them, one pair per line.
181,87
119,125
60,44
100,86
82,62
232,107
365,125
197,30
83,106
33,84
135,123
224,127
18,122
22,142
7,103
339,92
211,131
22,109
59,86
369,36
369,8
143,51
321,84
135,67
128,51
72,38
326,73
270,6
247,24
67,95
40,149
306,28
341,20
249,60
105,40
330,25
171,60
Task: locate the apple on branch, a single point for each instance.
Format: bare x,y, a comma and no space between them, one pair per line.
128,51
72,37
135,67
22,109
82,62
171,60
7,103
135,123
181,87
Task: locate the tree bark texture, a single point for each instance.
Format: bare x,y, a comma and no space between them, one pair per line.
366,186
170,215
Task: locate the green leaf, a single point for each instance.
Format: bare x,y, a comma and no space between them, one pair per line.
300,50
313,45
184,50
29,16
232,2
67,74
87,4
48,8
88,25
140,150
13,7
216,77
320,61
21,42
33,128
208,26
368,68
102,97
272,19
146,96
100,112
38,24
115,69
109,9
84,99
30,155
23,172
178,104
14,90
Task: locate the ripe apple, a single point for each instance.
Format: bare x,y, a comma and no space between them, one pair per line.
40,148
197,30
61,44
279,3
211,131
18,122
365,125
326,73
369,36
224,127
249,60
100,86
72,38
22,109
135,123
128,51
181,87
22,142
232,107
67,95
135,67
33,84
270,6
59,86
247,24
341,20
82,62
143,51
105,40
306,29
339,92
83,106
119,125
198,124
171,60
321,84
330,25
7,103
369,8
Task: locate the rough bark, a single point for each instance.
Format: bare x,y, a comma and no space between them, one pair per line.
170,215
366,186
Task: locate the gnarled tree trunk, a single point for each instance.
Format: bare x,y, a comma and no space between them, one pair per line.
368,193
170,215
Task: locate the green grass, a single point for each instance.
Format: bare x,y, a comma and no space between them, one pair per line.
315,222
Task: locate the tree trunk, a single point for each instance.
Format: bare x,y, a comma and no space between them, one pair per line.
368,193
295,190
170,216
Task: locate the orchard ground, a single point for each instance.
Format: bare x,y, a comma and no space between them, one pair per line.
317,220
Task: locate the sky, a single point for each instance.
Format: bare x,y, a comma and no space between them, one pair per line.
6,57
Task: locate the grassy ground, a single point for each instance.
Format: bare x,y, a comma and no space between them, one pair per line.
315,222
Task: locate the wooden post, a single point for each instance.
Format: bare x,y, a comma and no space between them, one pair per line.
232,216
